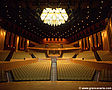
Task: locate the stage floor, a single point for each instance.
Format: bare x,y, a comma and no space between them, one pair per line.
55,85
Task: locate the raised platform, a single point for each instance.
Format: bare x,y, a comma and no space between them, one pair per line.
55,85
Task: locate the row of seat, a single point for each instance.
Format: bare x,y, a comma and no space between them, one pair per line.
4,54
3,77
105,55
35,71
106,75
71,71
70,54
86,55
39,55
19,55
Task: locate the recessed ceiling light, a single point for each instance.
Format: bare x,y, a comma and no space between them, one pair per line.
96,18
99,12
82,20
100,7
87,6
91,21
87,23
74,26
101,1
99,16
5,5
19,6
78,24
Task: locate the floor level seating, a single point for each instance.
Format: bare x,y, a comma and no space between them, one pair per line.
72,71
3,77
36,71
106,75
105,55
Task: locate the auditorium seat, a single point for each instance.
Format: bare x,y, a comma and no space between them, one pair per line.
105,55
106,75
70,54
3,77
72,71
39,55
4,54
35,71
21,55
86,55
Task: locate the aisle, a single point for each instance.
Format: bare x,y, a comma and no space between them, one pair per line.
53,69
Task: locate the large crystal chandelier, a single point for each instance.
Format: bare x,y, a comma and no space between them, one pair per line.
54,17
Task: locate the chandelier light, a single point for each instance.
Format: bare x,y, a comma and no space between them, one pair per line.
54,17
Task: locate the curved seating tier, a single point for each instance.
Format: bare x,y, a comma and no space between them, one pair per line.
69,54
35,71
71,71
86,55
105,55
4,54
39,55
21,55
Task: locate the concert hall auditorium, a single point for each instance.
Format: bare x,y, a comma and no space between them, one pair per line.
55,44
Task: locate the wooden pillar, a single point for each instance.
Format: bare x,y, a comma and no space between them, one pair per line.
84,45
91,42
94,38
20,41
6,44
16,42
105,40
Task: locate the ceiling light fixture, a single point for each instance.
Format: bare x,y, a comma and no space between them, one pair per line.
54,17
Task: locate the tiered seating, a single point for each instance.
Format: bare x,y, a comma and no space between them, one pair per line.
68,55
105,55
35,71
106,75
3,77
21,55
4,54
70,71
8,65
39,55
86,55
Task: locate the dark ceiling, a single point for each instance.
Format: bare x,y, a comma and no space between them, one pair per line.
82,14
